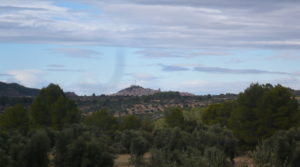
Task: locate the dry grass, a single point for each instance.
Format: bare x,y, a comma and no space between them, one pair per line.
123,160
243,161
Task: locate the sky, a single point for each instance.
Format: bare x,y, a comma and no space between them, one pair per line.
197,46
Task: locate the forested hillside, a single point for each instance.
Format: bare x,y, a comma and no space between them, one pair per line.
136,102
16,90
122,105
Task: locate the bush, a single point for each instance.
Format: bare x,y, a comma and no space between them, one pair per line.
130,122
205,146
15,118
81,147
24,151
280,150
102,120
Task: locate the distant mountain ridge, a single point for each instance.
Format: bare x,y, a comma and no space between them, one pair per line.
17,90
135,90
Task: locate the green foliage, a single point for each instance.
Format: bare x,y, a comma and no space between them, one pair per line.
261,111
102,120
218,113
258,112
52,109
86,153
147,124
160,123
179,139
194,114
130,122
80,147
6,101
215,136
177,117
174,117
35,153
280,150
171,139
22,151
135,142
139,145
4,157
205,146
15,118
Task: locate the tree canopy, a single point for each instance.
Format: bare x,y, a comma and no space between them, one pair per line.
258,112
102,119
15,118
218,113
130,122
261,111
51,108
174,117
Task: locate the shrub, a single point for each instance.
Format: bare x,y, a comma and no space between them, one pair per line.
280,150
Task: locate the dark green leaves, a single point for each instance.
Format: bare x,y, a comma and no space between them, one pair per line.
52,109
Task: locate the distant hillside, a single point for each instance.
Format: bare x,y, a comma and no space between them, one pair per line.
13,93
136,90
296,92
16,90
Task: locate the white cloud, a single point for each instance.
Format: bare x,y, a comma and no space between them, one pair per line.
30,78
169,24
144,77
76,52
90,87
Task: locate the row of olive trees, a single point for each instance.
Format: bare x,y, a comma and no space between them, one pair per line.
76,146
105,121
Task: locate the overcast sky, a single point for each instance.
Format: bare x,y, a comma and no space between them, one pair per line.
198,46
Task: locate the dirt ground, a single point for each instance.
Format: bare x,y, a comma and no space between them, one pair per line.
243,161
123,160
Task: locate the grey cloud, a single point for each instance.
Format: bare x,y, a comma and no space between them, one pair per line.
211,24
86,88
286,57
142,76
158,53
56,66
76,52
61,68
236,71
218,3
64,70
14,9
173,68
174,53
4,75
197,54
